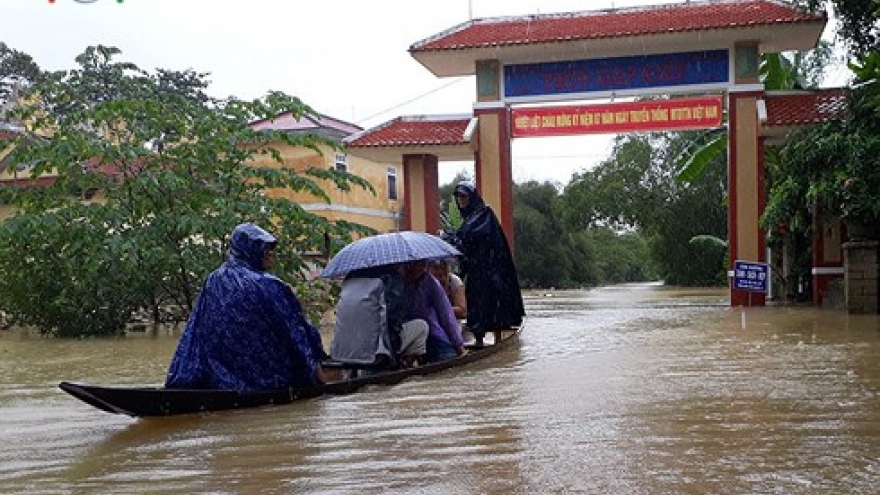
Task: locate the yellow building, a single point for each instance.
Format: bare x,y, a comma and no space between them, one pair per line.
380,211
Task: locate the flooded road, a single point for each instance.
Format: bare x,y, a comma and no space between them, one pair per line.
625,390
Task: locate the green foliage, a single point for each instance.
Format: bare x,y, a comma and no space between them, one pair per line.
835,165
617,257
17,71
858,20
175,170
709,241
614,193
62,271
543,258
793,70
551,255
707,150
637,189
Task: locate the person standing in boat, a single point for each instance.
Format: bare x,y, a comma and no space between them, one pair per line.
427,301
247,331
494,300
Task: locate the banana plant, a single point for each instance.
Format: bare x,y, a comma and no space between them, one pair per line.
789,71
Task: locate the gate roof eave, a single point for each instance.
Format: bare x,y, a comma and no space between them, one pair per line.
774,26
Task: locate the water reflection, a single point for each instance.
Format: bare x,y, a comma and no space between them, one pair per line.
624,390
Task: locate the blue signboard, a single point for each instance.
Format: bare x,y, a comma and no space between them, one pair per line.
750,275
616,74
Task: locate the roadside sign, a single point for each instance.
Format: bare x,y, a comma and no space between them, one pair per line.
750,275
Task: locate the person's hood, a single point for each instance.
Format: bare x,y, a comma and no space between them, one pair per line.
476,201
248,244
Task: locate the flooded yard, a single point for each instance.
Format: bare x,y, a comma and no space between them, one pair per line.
635,389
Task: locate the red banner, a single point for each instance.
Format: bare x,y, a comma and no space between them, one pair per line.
656,115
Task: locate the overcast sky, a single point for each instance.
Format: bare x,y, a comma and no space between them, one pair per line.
347,59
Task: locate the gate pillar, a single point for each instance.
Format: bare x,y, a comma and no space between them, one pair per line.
494,172
746,190
421,210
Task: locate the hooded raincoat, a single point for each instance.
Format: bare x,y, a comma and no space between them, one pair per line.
247,331
492,288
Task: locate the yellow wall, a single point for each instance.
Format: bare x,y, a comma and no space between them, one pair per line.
356,205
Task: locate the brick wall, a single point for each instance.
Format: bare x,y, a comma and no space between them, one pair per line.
861,280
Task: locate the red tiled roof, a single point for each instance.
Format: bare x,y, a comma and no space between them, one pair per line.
27,182
801,108
414,131
696,16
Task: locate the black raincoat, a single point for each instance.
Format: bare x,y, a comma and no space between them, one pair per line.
492,288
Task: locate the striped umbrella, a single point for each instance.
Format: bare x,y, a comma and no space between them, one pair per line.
386,249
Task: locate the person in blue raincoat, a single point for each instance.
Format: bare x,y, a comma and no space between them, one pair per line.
494,300
247,331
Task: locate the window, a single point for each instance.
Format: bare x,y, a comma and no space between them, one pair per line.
392,183
341,163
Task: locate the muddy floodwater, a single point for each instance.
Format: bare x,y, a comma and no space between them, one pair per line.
625,390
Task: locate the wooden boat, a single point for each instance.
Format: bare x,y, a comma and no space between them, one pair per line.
159,401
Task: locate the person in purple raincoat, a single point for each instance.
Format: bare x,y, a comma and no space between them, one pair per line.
426,300
247,331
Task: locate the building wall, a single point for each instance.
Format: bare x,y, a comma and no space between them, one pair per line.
377,210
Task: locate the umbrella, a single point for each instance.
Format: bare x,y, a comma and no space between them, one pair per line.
385,249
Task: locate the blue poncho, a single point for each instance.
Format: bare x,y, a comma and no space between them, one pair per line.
247,331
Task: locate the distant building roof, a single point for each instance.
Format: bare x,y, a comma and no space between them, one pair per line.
589,34
318,124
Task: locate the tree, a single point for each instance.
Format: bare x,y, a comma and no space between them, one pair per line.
636,190
550,255
17,71
834,166
543,256
169,171
859,22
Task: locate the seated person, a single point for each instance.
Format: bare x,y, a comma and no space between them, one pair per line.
426,300
371,329
452,286
247,331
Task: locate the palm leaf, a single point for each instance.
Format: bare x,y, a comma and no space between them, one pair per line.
695,163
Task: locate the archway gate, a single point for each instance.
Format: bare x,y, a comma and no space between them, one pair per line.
690,48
